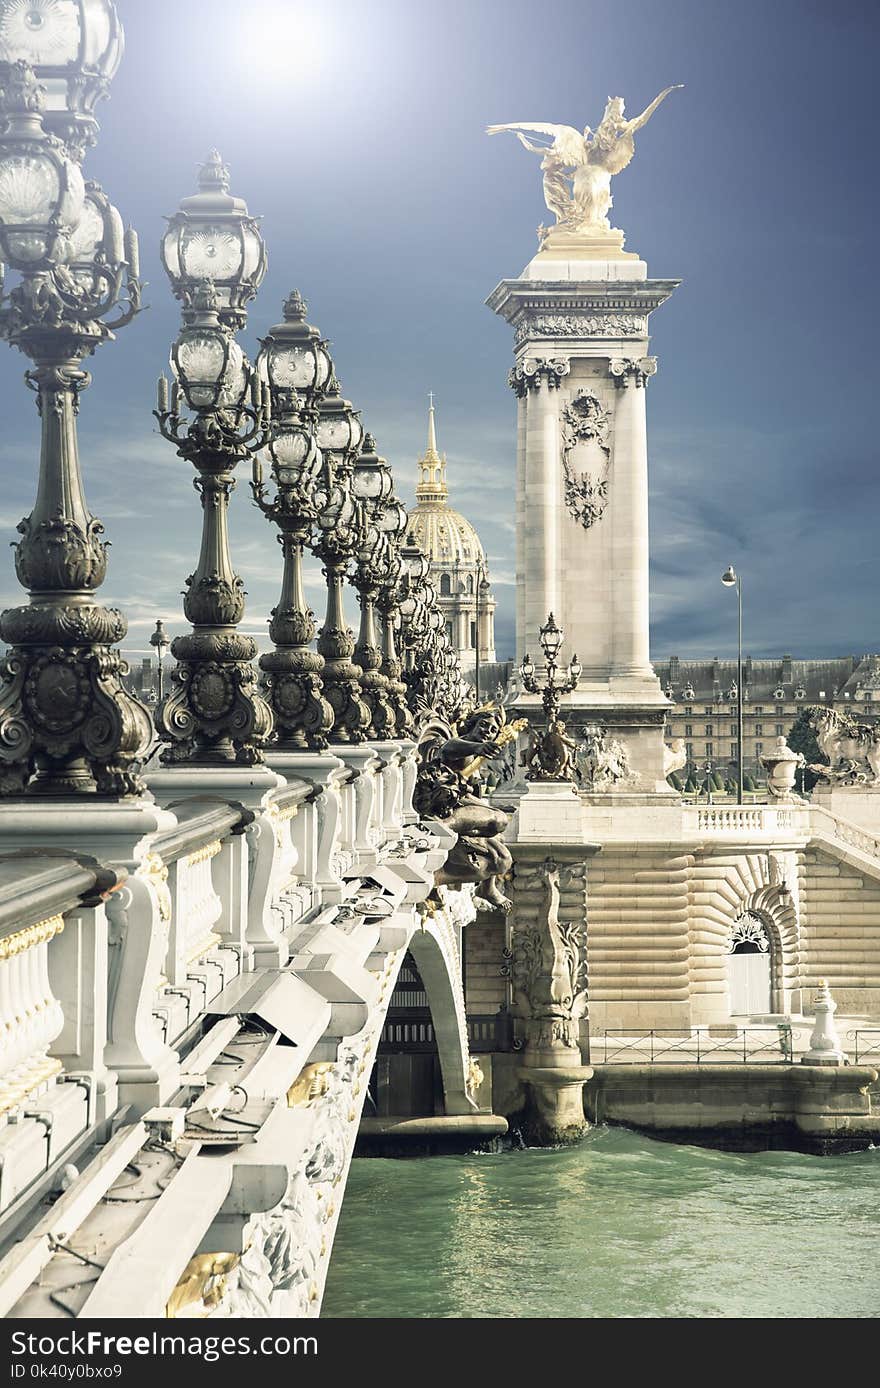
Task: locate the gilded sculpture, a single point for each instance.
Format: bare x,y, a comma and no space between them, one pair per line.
578,166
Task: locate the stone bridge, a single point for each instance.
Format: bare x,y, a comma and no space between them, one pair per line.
191,1013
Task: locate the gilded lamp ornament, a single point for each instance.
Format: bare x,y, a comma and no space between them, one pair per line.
216,412
67,725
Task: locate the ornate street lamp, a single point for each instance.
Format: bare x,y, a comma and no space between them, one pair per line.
551,637
292,363
339,434
393,522
213,237
67,725
731,579
75,48
159,640
371,487
214,713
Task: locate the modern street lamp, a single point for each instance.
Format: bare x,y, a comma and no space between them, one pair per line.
731,579
159,640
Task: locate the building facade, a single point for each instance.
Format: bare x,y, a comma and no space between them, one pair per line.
459,571
703,693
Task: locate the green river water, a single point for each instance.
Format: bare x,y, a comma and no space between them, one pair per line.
619,1225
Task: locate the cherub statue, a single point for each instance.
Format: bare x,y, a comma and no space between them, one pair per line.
448,788
553,751
585,161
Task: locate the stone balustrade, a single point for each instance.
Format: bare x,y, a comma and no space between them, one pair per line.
112,965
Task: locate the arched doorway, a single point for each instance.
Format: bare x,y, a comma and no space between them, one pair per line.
750,960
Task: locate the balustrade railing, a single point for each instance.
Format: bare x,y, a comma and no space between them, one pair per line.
109,976
699,1045
845,831
864,1044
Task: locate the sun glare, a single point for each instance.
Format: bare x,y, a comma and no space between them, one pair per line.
283,40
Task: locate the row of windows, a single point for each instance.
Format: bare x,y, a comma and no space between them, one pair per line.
757,730
710,750
754,711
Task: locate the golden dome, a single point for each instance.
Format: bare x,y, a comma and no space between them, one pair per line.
445,536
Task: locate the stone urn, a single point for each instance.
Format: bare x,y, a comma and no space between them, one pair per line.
781,766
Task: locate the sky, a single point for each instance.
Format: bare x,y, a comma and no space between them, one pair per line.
356,131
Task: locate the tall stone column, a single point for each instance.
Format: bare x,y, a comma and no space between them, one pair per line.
538,581
629,540
580,316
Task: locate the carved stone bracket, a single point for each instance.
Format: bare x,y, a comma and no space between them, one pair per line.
585,419
550,958
528,374
626,370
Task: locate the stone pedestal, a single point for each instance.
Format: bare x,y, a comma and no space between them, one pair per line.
580,315
555,1112
548,811
858,804
825,1047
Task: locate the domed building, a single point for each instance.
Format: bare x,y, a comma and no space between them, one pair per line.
459,571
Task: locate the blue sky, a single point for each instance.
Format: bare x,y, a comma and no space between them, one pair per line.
356,131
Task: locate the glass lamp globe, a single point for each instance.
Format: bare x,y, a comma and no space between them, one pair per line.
41,191
294,456
527,668
213,237
575,668
211,368
294,358
415,563
551,636
337,508
338,430
393,518
75,48
99,235
371,480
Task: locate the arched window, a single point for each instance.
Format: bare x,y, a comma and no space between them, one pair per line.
470,583
445,586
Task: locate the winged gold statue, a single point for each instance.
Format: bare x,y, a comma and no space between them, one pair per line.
578,167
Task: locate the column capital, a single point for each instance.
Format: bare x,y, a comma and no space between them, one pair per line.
637,370
528,374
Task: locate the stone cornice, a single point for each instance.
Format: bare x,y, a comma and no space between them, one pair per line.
513,299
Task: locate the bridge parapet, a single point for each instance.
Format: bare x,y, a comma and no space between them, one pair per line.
239,917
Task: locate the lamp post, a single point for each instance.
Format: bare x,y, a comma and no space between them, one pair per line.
553,761
214,256
296,366
371,486
339,435
393,523
160,641
67,724
731,579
